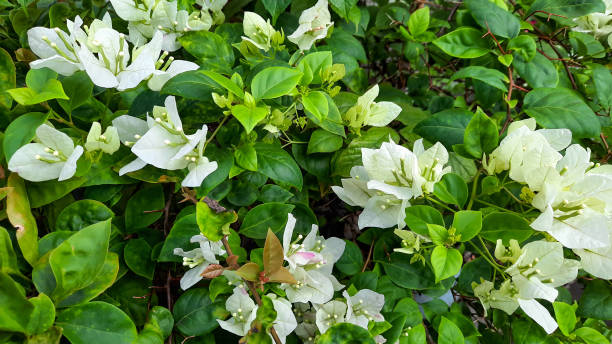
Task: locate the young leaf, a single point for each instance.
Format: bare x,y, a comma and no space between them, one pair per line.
213,225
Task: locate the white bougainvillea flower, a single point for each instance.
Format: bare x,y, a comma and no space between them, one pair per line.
312,286
257,31
166,17
314,24
110,68
380,210
369,112
199,167
598,24
212,5
165,145
432,162
363,307
54,156
306,328
597,261
243,310
329,314
199,259
297,254
107,142
509,254
56,48
285,322
132,10
130,129
580,228
393,170
167,71
525,149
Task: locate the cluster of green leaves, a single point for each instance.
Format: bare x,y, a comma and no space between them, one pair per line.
92,258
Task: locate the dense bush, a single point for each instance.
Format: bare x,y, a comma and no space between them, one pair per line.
342,172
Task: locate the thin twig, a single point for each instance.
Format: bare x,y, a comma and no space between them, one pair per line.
365,265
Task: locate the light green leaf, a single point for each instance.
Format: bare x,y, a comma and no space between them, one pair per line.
419,21
274,82
249,117
468,223
449,333
489,76
322,141
464,42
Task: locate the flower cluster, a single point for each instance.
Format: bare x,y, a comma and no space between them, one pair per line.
160,141
369,112
572,193
314,23
145,17
598,24
390,177
104,54
308,306
536,270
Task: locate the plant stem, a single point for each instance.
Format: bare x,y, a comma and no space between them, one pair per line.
474,189
439,203
212,136
496,207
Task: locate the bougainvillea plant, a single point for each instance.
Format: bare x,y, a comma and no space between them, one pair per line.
305,171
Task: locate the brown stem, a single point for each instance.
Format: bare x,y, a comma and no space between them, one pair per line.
508,99
365,265
569,73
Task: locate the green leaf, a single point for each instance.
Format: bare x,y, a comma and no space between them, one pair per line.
249,117
138,213
341,41
481,135
21,131
416,335
409,307
322,141
538,72
137,256
96,322
446,262
473,271
468,223
274,82
438,234
43,193
20,215
505,226
464,42
418,22
449,333
81,214
591,336
77,261
315,63
16,309
342,7
596,301
268,215
567,8
351,261
332,122
555,108
273,193
602,79
346,333
524,45
407,275
104,279
316,103
42,316
224,82
586,45
192,85
446,126
179,236
78,88
566,317
419,216
42,86
275,7
212,51
7,78
8,259
527,332
275,163
213,225
492,17
451,189
195,314
489,76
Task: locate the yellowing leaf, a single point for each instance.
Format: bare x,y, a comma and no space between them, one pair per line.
20,216
282,275
249,271
273,255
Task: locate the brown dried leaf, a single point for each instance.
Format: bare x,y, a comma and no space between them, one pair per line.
212,271
273,255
